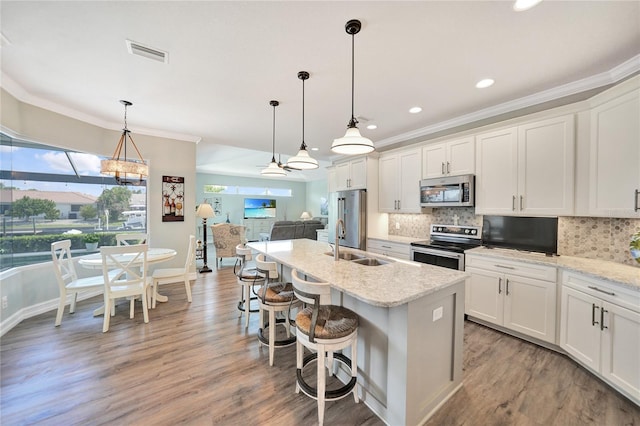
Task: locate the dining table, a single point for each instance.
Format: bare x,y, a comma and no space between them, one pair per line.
154,255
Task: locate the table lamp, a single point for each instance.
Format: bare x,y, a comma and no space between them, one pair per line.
204,211
305,216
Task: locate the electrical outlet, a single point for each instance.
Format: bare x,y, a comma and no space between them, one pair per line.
5,302
437,313
397,225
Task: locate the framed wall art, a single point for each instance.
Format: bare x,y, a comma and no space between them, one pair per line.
172,199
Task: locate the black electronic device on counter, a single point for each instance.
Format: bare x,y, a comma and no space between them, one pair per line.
537,234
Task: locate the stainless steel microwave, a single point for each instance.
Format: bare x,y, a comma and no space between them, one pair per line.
449,191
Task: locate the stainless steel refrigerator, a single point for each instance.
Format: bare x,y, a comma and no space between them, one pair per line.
351,207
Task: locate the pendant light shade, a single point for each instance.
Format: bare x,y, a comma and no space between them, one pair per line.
352,142
125,171
302,160
273,169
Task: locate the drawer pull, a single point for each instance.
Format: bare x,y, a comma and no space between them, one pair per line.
504,267
610,293
386,247
602,311
593,314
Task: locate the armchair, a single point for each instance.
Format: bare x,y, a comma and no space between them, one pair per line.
226,237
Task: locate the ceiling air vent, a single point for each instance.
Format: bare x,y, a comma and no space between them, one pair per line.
136,48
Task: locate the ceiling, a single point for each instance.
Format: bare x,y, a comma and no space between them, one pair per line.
227,60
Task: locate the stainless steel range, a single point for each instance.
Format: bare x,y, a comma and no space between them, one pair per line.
447,245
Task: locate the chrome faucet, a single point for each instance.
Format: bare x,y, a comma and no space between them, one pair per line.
336,253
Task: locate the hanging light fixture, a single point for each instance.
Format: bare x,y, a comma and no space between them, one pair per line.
273,169
125,171
302,160
352,142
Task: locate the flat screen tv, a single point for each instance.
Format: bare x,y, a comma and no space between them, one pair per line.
538,234
259,208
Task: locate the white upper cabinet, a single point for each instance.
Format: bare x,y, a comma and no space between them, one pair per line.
456,157
399,182
350,175
527,170
615,157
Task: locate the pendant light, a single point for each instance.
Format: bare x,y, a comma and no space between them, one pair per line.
273,169
302,160
125,171
352,142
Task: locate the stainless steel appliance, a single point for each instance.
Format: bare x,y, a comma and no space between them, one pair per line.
351,207
447,245
450,191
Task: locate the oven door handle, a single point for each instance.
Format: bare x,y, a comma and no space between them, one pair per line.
440,253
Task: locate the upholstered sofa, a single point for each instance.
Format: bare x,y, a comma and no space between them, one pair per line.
290,230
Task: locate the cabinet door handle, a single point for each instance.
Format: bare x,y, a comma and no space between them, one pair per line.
448,164
504,267
398,204
602,311
513,203
521,197
499,285
593,314
635,201
442,168
507,286
610,293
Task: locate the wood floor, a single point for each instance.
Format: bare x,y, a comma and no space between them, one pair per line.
195,364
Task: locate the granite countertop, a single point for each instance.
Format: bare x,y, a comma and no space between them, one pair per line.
392,284
617,273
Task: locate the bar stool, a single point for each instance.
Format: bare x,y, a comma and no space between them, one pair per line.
246,277
274,297
324,328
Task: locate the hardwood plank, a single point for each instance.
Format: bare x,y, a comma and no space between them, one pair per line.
194,363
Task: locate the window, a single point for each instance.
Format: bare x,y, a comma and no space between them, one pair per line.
247,190
48,194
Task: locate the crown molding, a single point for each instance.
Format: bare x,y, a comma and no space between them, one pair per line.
603,79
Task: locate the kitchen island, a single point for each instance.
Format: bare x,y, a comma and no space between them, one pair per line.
410,338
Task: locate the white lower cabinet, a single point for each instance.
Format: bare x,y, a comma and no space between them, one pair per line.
514,295
600,328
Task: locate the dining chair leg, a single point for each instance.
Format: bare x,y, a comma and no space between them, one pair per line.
187,287
63,302
132,306
74,298
154,294
145,310
107,310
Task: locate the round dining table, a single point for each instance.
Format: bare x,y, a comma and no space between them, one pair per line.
154,255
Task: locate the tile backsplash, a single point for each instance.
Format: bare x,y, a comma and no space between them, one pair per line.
590,237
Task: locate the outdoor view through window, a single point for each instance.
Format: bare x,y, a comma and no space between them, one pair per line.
49,194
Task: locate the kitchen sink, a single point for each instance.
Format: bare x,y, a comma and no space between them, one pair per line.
371,261
346,255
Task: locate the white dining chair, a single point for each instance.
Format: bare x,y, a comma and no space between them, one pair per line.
132,238
172,275
68,281
130,280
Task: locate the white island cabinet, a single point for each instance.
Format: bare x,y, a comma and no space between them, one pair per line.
411,326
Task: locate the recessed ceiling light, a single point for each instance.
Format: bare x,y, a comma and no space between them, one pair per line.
482,84
521,5
315,149
372,127
415,110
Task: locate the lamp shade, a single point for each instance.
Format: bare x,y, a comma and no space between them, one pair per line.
273,170
302,161
352,143
305,216
205,211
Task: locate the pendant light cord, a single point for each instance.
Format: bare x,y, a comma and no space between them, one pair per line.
353,37
273,149
304,145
